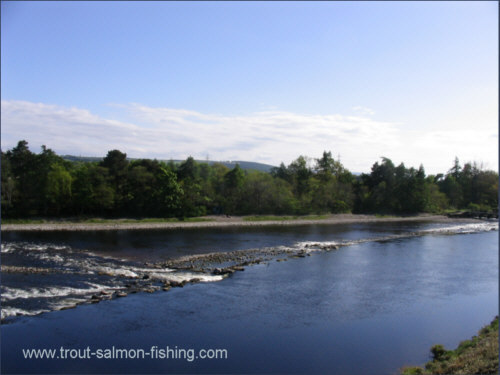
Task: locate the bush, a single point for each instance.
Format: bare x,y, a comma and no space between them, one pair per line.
438,352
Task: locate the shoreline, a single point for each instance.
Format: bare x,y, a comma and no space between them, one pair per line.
225,222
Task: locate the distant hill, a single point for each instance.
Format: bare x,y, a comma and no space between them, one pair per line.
246,165
84,159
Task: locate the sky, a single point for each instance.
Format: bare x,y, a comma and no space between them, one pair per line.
413,81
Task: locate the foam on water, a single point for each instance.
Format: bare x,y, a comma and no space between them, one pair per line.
13,246
308,246
465,228
13,311
66,303
15,293
184,276
122,272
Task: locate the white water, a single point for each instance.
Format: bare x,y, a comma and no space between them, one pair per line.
15,293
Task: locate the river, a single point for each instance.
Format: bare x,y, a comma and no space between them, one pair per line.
375,304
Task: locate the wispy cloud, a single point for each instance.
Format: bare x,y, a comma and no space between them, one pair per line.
268,136
363,110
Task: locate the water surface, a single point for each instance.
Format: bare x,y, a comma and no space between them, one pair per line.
370,307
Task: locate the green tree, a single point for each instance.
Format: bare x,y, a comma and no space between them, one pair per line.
456,170
58,189
140,187
282,172
24,173
92,192
193,200
8,185
381,184
437,199
82,188
301,174
453,191
117,165
168,192
188,170
325,166
217,187
487,189
233,183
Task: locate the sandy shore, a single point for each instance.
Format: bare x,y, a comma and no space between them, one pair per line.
222,222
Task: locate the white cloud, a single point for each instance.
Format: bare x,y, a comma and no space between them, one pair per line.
363,110
268,136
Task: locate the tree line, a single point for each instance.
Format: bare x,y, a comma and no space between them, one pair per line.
45,184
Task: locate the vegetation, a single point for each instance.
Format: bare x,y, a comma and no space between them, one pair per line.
47,185
230,164
106,221
284,218
476,356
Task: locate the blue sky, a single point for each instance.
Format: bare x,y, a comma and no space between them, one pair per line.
264,81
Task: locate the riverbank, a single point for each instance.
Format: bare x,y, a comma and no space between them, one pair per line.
478,355
223,222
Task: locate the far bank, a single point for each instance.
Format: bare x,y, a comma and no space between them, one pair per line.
221,222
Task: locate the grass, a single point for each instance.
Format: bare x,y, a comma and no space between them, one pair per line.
147,220
284,218
478,355
105,221
383,216
24,221
156,220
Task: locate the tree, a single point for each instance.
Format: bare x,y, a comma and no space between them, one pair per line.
325,166
234,178
167,193
140,187
8,185
45,184
282,172
301,174
48,165
453,191
381,184
487,189
216,187
233,182
117,164
420,194
24,173
188,170
456,169
92,192
58,189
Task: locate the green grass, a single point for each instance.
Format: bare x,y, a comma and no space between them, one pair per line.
285,218
23,221
478,355
105,221
383,216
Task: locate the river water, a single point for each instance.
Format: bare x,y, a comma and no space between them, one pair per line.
377,303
